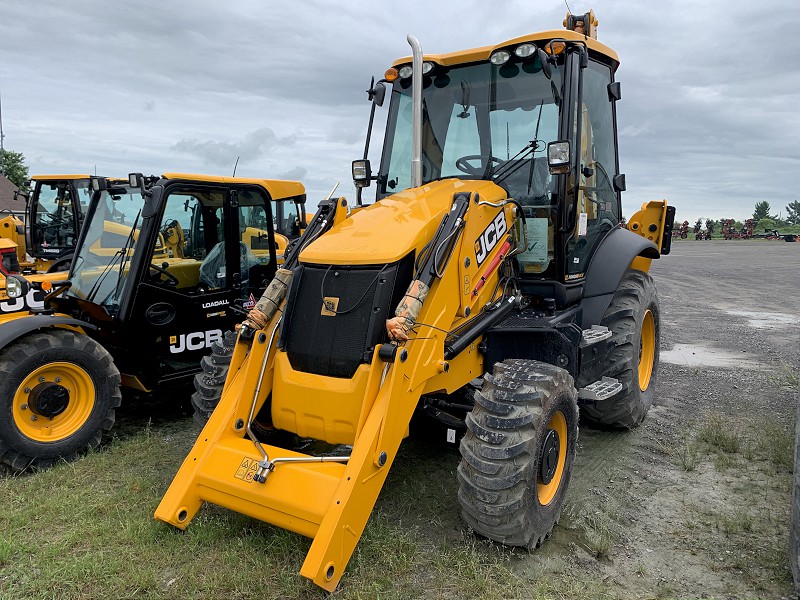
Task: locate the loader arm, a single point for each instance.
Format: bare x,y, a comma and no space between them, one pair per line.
328,500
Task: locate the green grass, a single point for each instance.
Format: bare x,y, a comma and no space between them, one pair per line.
86,530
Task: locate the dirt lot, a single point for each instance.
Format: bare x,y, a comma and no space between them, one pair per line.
694,503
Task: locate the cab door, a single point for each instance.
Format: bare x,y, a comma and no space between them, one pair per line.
196,267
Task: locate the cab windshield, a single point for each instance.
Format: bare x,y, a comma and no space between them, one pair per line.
101,264
482,121
479,121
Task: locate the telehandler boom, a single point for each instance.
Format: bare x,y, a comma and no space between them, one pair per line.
491,262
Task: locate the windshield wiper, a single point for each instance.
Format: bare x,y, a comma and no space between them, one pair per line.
527,150
118,254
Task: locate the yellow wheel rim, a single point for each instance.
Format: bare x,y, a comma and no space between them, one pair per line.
647,350
547,491
53,402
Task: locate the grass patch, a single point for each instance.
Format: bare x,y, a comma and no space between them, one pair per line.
718,433
86,530
598,531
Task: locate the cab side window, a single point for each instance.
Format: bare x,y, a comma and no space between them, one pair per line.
598,201
188,255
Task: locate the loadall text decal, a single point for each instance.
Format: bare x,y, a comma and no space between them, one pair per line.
194,341
490,237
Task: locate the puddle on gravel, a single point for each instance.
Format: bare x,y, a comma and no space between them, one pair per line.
691,355
766,320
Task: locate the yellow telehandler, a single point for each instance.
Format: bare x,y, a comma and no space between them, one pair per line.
493,262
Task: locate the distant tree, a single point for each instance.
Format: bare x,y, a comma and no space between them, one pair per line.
764,224
762,211
14,167
793,213
711,224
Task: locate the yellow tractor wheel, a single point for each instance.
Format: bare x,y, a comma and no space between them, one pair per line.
633,318
518,452
58,392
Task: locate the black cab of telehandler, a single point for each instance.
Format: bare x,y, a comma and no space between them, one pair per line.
159,267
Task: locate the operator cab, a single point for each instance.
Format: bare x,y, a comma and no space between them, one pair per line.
162,262
492,114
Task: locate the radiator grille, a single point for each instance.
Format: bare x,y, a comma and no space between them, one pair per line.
336,345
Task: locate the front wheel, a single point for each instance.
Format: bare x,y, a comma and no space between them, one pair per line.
58,392
518,452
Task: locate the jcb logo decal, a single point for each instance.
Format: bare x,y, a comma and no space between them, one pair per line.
33,299
330,304
490,237
194,341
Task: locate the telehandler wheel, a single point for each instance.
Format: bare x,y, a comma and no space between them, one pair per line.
58,392
633,318
517,454
209,382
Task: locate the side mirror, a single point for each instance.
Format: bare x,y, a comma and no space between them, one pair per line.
17,286
99,184
547,69
136,180
378,94
362,173
558,157
19,194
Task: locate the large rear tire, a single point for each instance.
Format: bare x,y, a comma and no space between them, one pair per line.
634,320
518,452
209,382
58,392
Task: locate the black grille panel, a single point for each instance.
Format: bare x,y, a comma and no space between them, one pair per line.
336,345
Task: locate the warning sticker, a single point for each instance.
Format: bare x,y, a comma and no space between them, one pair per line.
247,469
582,223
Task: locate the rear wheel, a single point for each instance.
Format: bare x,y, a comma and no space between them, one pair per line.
518,452
209,382
58,392
633,318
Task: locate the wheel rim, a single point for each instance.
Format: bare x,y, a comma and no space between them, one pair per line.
647,350
53,402
552,457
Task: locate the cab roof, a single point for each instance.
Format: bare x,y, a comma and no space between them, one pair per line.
483,53
58,177
278,189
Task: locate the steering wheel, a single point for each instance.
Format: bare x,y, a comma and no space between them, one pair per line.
463,164
171,281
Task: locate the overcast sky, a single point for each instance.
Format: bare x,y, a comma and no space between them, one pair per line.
710,115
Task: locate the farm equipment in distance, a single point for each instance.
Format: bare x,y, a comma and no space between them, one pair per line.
158,266
489,289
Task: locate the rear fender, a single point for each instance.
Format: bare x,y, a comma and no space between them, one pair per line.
14,326
618,251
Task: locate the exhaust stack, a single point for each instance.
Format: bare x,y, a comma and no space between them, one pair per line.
416,111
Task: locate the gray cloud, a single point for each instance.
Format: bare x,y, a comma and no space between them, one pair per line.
708,117
221,154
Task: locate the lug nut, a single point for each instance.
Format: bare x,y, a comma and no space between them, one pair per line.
57,379
27,390
41,379
23,407
34,417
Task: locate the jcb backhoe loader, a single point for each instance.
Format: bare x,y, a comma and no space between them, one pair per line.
493,252
158,266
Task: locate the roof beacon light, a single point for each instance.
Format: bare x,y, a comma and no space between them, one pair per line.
585,24
500,57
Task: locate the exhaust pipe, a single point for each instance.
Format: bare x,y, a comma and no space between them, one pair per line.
416,111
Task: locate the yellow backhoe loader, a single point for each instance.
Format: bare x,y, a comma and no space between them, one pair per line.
492,262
